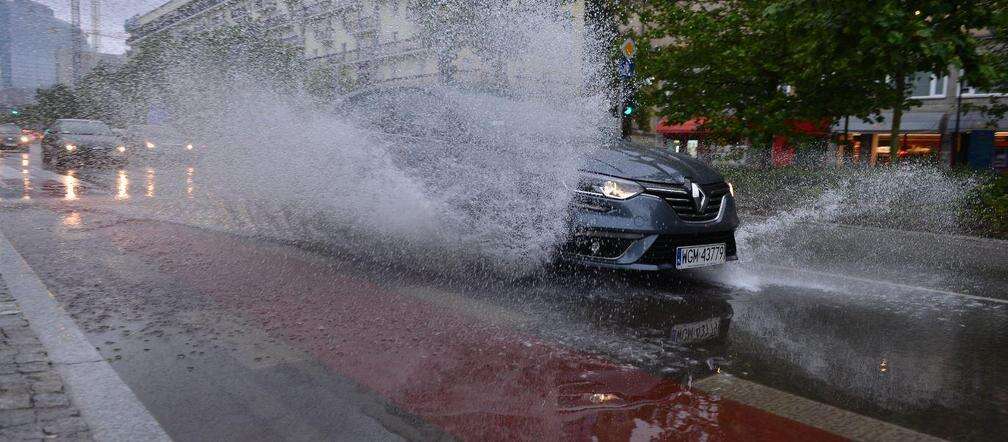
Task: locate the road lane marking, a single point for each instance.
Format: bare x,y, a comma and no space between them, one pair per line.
815,414
883,283
106,403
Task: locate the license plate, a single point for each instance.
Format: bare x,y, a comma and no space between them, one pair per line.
696,331
700,256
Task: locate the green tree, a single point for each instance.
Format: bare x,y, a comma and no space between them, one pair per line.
55,103
754,67
902,39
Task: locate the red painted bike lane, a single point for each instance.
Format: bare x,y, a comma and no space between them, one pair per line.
475,380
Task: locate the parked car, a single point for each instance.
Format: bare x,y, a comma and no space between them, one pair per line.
81,141
644,208
11,137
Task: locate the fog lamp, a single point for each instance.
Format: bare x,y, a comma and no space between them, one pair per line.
121,148
150,145
189,146
71,147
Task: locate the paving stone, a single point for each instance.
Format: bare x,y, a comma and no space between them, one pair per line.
30,357
32,367
67,425
10,418
78,437
47,386
14,400
22,432
48,414
33,404
50,400
13,378
12,322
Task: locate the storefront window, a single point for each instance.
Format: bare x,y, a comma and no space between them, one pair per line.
1000,160
911,146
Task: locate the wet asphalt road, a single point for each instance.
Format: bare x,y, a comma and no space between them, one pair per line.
229,337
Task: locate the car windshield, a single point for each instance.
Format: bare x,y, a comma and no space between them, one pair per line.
85,128
9,129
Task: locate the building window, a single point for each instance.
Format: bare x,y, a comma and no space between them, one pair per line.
926,85
970,91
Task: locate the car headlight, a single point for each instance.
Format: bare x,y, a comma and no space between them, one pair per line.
607,186
70,147
731,190
150,145
189,146
121,148
25,138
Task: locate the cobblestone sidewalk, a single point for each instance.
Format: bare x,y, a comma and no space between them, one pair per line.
33,402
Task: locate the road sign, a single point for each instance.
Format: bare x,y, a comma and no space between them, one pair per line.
629,48
626,68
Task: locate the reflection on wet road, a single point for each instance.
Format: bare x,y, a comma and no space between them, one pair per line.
229,321
32,180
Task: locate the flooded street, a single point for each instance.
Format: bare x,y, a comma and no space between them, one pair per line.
224,333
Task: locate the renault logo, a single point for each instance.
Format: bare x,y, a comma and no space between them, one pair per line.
699,198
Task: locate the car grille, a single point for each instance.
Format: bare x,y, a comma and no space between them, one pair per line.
680,199
663,251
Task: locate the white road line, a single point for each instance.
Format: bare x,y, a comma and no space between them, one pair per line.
883,283
814,414
107,404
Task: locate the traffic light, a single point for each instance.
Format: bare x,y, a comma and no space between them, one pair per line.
629,108
15,112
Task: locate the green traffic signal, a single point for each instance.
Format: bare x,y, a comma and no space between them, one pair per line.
628,110
15,112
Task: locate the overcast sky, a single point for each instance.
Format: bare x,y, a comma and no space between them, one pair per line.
114,14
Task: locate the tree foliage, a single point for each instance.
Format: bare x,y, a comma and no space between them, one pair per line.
754,67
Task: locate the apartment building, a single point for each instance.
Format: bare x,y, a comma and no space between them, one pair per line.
371,43
30,37
946,127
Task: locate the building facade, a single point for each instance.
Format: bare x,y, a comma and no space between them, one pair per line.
370,43
946,127
30,37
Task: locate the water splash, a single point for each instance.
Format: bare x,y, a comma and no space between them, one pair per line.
437,174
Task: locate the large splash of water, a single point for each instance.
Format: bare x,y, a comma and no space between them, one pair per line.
439,173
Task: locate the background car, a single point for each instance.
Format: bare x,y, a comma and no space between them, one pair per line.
81,141
158,141
11,137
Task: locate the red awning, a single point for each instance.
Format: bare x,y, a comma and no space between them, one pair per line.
688,127
810,127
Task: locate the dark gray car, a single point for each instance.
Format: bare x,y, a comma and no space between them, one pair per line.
644,208
11,137
81,141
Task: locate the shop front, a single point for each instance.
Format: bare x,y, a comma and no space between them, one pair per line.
691,138
921,138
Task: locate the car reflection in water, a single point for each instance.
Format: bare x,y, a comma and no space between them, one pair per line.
671,326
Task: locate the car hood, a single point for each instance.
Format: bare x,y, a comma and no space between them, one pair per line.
89,140
643,163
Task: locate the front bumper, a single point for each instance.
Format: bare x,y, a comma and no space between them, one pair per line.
12,143
642,233
91,153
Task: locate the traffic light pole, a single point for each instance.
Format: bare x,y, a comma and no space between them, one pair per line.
624,116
